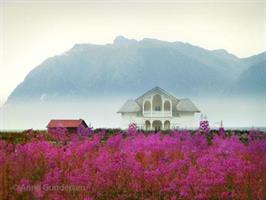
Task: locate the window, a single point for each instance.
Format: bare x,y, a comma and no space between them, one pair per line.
147,106
158,108
167,106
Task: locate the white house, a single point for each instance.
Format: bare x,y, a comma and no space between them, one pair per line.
157,109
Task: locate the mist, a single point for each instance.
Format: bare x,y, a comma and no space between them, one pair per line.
102,112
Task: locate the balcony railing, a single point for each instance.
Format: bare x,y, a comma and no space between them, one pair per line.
157,113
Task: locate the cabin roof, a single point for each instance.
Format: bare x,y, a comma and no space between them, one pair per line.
66,123
130,106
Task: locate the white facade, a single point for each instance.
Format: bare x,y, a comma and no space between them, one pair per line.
158,110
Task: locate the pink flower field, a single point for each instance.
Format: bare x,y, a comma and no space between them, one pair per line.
134,165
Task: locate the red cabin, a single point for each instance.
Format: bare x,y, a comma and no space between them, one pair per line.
72,126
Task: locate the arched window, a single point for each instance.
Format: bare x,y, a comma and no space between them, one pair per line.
167,106
166,125
157,102
147,125
147,106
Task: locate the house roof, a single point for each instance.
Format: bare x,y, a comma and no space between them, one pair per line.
130,106
183,105
66,123
157,89
186,105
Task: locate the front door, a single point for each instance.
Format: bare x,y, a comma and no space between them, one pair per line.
157,125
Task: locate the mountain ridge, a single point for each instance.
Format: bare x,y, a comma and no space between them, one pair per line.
127,66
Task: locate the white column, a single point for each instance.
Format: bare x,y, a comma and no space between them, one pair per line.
143,107
163,103
171,108
151,104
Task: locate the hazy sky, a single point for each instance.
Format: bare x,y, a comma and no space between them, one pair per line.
31,31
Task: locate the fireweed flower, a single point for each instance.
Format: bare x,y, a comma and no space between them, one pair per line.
59,134
204,126
178,165
255,135
85,131
132,129
221,130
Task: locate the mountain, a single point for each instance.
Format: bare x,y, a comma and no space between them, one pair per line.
130,67
252,81
253,60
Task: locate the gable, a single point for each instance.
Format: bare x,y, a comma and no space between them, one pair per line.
156,90
178,105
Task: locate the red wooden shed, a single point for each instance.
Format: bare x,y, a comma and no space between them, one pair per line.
72,125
